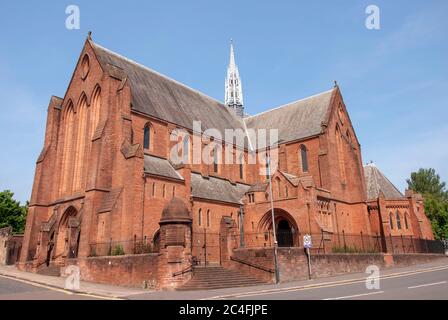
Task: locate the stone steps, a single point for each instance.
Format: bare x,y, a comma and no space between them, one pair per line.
206,278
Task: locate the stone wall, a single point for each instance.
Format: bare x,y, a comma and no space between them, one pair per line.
293,263
5,233
257,263
128,270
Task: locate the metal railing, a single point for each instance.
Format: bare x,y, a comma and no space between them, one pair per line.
118,248
327,242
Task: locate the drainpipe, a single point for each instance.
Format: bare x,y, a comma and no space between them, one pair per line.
143,204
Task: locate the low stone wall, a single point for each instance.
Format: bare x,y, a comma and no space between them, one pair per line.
127,270
293,264
257,263
403,260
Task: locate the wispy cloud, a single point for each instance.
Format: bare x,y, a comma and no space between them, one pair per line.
417,29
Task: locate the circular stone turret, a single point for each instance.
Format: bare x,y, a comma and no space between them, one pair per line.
175,211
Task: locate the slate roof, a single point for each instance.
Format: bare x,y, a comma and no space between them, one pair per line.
376,181
212,188
159,96
258,187
109,200
291,178
296,120
160,167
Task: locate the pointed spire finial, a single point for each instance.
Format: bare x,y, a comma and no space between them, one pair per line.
89,35
233,89
335,84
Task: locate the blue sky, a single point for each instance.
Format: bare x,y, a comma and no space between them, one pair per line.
394,80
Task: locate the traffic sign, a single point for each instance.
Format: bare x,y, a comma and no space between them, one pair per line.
307,241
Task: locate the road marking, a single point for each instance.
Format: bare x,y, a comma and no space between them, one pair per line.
427,285
323,285
355,295
35,284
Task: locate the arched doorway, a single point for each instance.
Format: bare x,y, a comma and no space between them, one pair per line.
285,234
49,249
68,234
156,241
286,228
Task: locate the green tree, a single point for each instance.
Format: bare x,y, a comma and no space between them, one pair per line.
12,214
427,182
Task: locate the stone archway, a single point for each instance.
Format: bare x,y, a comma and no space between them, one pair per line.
286,227
68,235
285,234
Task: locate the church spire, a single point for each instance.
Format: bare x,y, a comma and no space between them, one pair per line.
234,90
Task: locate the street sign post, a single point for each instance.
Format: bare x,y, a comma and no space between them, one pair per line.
307,244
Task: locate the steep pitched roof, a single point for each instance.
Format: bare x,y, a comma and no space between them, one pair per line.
160,167
212,188
296,120
377,182
161,97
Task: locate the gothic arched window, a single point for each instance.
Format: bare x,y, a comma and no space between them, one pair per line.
406,223
186,149
95,110
391,222
216,159
398,220
340,151
147,137
67,153
304,158
278,187
200,217
208,218
268,173
241,166
81,141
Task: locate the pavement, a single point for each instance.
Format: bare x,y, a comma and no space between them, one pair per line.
10,274
425,281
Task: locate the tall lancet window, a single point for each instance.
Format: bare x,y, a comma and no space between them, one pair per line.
81,141
67,152
95,110
304,158
398,220
241,165
147,137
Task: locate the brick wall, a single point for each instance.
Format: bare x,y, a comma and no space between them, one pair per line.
293,263
129,270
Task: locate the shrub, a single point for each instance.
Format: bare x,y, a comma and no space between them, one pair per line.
141,247
118,250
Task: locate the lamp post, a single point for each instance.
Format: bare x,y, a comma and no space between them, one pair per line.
274,231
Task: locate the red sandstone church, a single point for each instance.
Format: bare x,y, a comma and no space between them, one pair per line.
105,184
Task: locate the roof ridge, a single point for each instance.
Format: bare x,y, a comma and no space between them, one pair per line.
158,73
387,179
289,104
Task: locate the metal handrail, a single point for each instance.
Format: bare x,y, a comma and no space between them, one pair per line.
183,271
253,265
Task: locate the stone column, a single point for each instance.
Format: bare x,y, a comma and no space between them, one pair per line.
175,260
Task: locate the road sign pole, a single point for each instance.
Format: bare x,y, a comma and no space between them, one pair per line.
307,243
274,233
309,262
